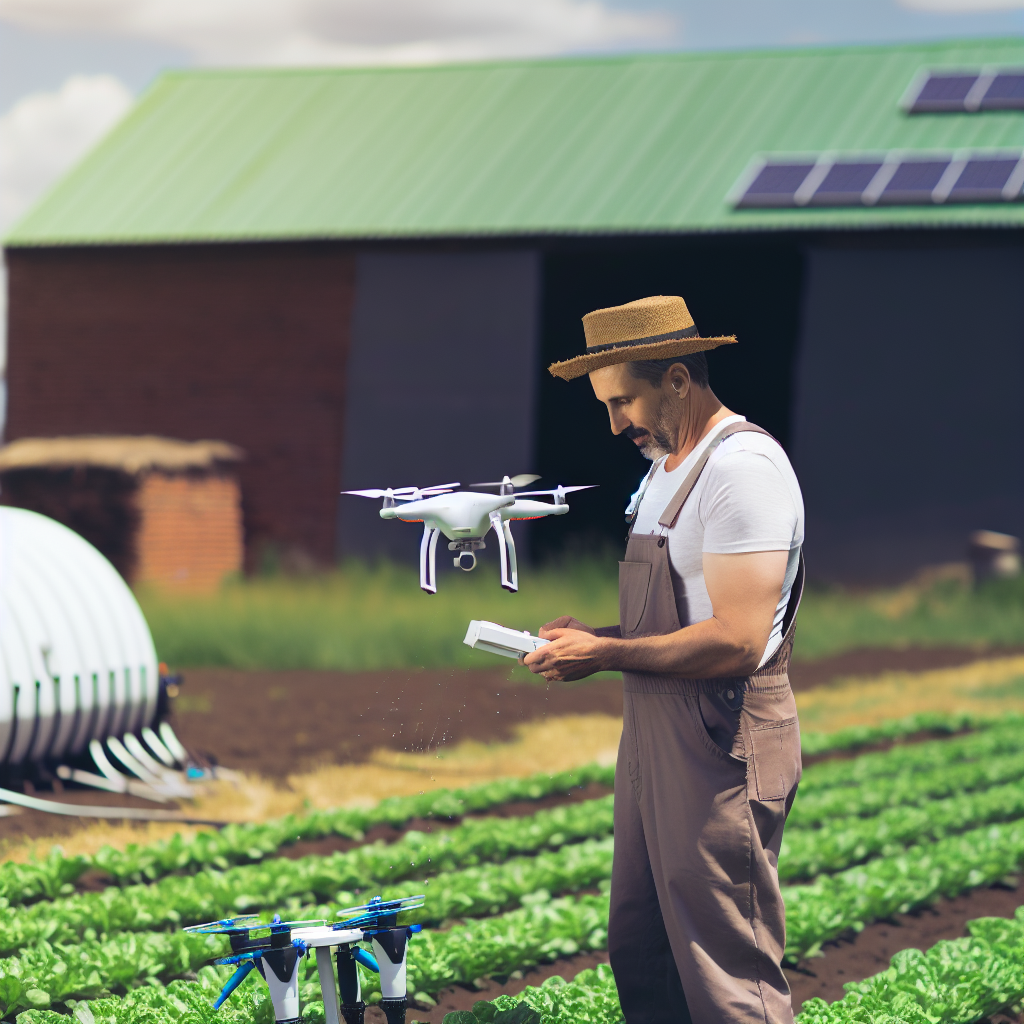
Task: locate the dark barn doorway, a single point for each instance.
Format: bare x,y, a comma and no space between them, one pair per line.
749,287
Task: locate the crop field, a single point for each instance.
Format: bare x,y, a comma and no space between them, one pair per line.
891,818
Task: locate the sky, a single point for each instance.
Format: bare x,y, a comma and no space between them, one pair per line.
70,69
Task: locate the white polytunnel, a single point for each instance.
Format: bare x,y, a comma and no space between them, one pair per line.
77,660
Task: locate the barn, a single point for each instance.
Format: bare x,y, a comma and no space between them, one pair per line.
358,276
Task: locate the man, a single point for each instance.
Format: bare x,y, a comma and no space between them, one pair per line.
710,754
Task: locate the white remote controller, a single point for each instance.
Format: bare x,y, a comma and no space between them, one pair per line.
509,643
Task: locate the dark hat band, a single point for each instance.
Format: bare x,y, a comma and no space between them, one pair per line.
689,332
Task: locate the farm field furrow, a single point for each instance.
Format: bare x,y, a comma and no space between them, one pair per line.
956,981
245,843
1007,738
499,888
873,797
842,842
275,884
473,891
818,912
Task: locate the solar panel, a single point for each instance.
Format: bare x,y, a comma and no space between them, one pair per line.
941,93
844,183
1006,91
958,92
899,178
914,181
775,184
983,180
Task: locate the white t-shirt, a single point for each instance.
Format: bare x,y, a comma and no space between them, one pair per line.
747,499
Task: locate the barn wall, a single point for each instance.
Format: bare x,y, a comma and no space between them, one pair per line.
909,424
241,343
441,382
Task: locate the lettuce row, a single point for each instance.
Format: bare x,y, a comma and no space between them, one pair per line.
52,973
97,965
833,904
845,841
854,737
815,913
208,895
243,843
956,980
56,874
814,808
1005,738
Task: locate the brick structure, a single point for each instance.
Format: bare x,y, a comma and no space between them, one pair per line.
242,342
190,531
168,514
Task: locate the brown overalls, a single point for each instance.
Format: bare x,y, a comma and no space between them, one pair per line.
706,775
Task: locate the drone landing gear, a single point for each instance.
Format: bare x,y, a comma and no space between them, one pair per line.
280,970
352,1007
428,559
507,553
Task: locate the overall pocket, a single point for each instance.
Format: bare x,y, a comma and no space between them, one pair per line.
634,583
775,751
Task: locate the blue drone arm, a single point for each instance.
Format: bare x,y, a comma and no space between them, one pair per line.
366,959
235,980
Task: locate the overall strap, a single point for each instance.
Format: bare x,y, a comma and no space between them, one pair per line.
672,509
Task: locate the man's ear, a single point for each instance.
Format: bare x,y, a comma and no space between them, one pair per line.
679,379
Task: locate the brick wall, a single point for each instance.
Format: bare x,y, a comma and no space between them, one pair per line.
245,343
190,531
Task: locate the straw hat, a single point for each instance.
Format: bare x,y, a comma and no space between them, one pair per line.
657,327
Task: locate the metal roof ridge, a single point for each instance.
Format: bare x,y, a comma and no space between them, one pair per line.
576,60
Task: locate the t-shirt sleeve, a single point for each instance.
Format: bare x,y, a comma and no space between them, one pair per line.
747,506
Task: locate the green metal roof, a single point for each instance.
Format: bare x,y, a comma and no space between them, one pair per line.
621,144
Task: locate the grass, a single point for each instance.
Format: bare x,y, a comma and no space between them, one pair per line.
362,617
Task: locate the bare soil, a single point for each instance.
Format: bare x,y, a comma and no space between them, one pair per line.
275,723
278,723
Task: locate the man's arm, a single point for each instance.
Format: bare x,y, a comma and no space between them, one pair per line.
744,589
569,622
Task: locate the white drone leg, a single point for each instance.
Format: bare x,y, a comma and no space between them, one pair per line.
389,950
506,552
280,970
428,560
513,569
325,968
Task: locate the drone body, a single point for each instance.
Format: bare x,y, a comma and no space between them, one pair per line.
275,950
465,517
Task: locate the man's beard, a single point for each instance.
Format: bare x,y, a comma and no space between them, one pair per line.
663,437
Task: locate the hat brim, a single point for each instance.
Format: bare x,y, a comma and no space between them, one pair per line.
569,369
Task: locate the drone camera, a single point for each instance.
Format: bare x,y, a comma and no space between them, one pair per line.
465,560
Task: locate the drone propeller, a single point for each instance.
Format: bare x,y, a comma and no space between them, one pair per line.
227,926
404,493
556,491
522,480
369,913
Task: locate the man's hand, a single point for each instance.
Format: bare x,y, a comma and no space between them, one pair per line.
572,653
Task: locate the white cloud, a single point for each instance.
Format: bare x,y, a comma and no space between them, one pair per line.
44,133
962,6
349,31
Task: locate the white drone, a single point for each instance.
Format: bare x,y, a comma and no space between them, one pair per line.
464,517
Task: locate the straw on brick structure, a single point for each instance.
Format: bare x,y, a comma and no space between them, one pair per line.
167,513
